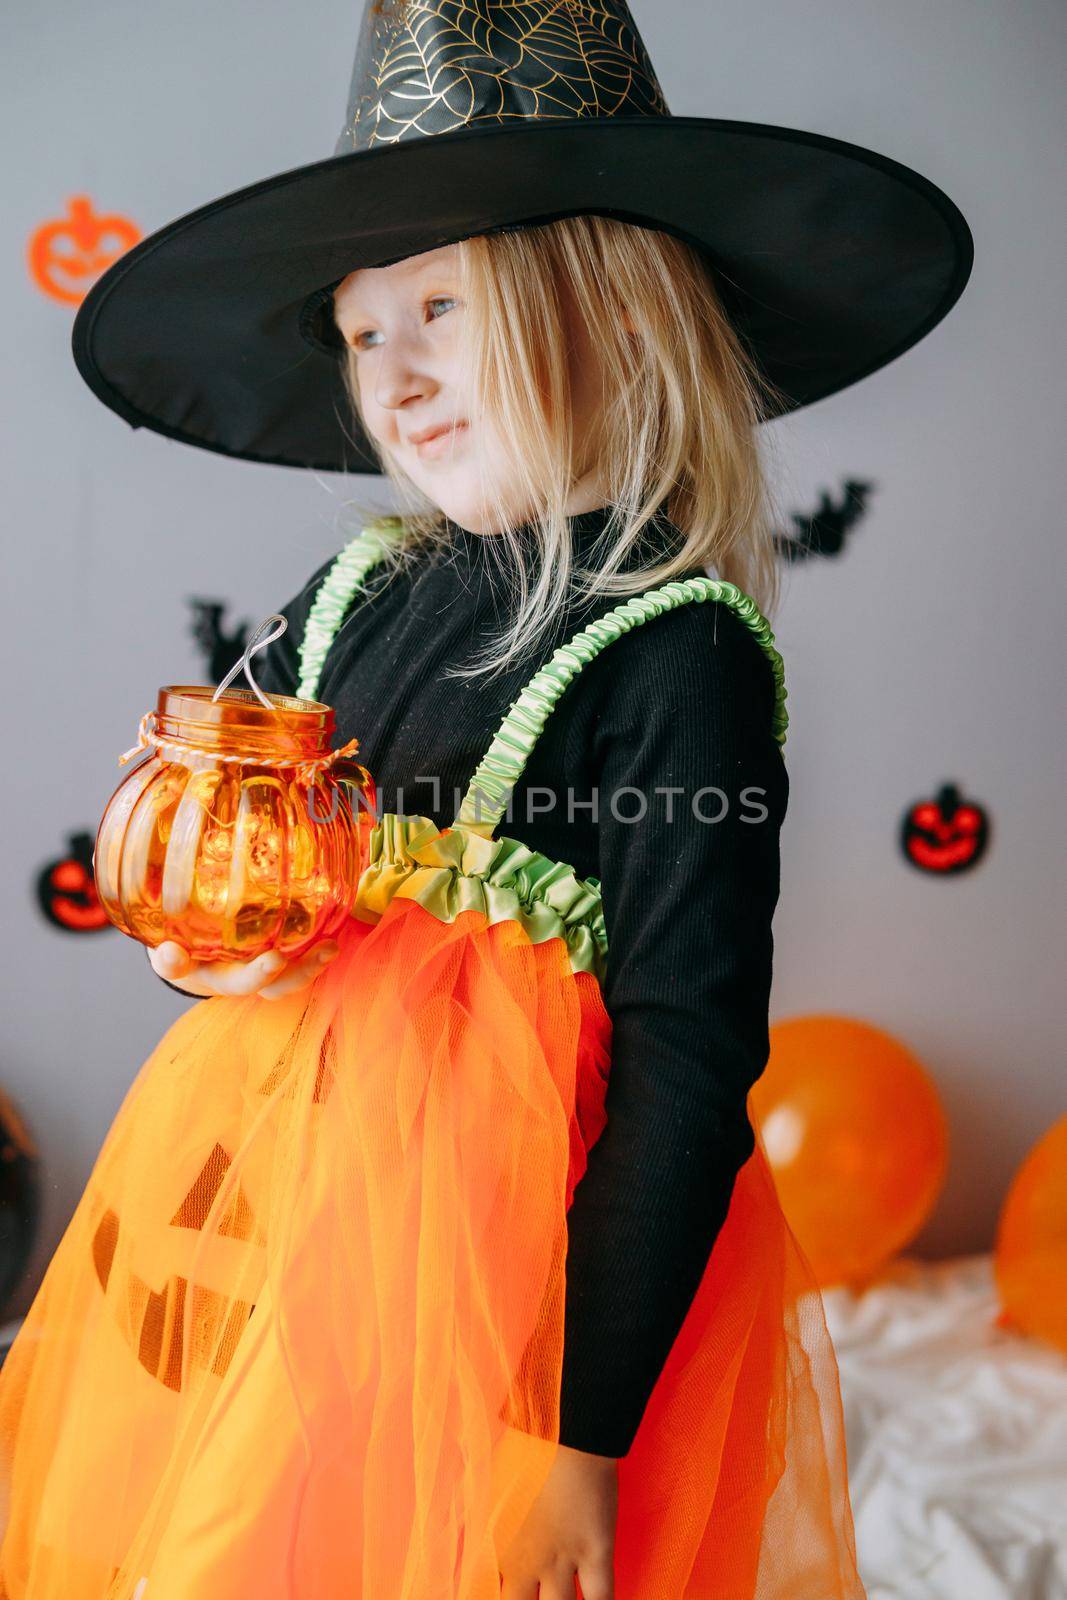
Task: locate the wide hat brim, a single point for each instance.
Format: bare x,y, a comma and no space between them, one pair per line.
831,261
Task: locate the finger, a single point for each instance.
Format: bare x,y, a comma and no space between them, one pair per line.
169,959
558,1585
597,1580
319,956
250,976
290,982
300,973
240,977
190,985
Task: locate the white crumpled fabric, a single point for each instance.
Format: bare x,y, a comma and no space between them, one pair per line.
957,1438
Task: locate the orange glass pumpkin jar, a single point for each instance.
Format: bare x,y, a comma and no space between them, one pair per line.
242,832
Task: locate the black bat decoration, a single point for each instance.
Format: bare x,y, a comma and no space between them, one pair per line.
219,649
824,532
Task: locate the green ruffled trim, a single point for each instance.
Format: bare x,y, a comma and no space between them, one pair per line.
503,763
457,870
335,595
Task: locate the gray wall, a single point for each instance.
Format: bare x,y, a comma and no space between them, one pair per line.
932,650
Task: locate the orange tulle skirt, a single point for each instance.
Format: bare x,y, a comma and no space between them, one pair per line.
303,1335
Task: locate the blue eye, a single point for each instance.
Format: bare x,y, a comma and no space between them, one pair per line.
357,341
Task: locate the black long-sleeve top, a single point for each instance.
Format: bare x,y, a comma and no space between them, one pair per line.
683,701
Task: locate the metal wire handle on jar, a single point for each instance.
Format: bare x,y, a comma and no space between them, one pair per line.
306,771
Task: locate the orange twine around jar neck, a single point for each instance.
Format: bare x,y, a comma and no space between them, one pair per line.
306,771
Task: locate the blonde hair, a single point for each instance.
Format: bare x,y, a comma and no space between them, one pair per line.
678,430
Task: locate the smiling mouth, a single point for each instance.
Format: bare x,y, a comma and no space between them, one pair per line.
440,442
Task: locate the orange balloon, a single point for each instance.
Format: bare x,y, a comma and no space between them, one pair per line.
856,1137
1030,1252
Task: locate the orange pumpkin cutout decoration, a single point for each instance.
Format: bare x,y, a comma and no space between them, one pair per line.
68,254
853,1128
174,1240
1030,1251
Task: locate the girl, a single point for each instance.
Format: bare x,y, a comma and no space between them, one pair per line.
453,1267
683,708
660,773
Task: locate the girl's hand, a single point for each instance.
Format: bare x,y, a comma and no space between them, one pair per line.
269,975
569,1532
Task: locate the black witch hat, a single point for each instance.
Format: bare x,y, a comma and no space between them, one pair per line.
472,116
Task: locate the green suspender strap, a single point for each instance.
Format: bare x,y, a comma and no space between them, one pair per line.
336,593
466,867
503,763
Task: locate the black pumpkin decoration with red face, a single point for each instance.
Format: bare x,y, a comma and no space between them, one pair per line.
944,835
66,890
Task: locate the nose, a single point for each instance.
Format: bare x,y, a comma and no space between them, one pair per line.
401,376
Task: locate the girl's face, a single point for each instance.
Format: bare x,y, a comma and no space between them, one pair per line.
405,323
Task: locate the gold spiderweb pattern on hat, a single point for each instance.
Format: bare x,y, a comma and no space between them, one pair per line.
440,65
